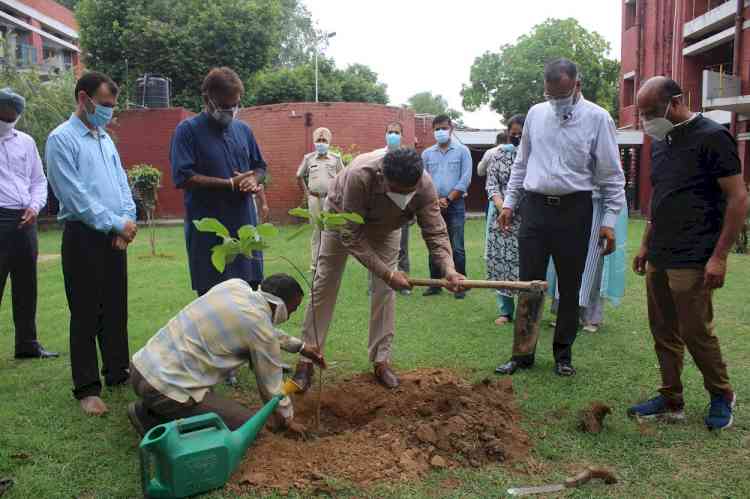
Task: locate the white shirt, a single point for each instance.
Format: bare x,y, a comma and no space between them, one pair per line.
558,157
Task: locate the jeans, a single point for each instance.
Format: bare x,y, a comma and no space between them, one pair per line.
505,305
455,219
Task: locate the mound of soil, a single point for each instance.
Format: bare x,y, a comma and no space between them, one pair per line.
592,418
370,434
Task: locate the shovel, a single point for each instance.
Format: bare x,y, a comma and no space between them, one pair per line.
585,476
533,286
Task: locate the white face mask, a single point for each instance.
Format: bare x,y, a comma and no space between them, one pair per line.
658,128
280,315
400,200
6,128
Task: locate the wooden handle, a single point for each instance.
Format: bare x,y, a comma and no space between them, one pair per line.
601,473
469,284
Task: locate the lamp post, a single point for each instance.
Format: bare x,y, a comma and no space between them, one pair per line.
325,36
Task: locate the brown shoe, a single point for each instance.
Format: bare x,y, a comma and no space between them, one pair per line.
385,375
303,375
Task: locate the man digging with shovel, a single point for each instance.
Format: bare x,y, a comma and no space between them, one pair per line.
387,189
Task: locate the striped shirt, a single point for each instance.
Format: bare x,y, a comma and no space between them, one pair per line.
212,336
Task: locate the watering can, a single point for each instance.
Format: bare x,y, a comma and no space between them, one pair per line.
193,455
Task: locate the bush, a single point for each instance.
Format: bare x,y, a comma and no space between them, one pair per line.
145,181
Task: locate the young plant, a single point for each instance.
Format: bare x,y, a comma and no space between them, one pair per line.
249,238
145,181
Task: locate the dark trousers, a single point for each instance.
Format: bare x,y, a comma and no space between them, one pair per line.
559,227
96,286
455,219
18,254
403,251
161,409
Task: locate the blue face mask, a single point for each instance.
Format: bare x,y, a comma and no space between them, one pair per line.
393,140
321,147
508,147
101,116
442,136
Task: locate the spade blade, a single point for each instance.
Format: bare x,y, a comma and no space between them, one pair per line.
529,491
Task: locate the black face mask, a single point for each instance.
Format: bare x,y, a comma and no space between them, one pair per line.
515,140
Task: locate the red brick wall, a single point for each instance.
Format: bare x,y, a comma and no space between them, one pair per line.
143,136
54,10
283,132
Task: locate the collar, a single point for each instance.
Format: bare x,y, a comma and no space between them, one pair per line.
451,145
81,127
12,135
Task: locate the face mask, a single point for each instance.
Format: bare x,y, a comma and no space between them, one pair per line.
516,141
508,147
223,116
101,116
280,315
400,200
321,147
393,141
6,128
442,136
563,107
658,128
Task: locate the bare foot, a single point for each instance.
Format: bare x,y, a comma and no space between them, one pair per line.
94,406
502,320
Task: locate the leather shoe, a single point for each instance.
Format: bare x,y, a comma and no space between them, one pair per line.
432,291
135,420
564,369
303,375
385,375
38,353
510,367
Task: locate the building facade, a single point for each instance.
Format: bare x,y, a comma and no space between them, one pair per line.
704,45
38,34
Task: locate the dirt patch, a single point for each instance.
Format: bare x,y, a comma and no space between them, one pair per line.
369,434
592,418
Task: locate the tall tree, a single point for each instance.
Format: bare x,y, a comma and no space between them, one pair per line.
512,80
426,102
71,4
127,39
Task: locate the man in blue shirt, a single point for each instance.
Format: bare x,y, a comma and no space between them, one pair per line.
97,207
449,164
217,162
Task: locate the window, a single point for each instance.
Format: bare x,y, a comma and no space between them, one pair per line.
628,92
630,13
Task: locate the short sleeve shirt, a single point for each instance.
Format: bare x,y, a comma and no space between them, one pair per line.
317,172
687,203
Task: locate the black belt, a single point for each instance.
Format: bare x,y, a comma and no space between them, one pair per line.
558,200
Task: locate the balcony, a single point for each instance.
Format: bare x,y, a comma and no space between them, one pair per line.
716,19
723,92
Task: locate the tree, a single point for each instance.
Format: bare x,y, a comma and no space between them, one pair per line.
127,39
145,181
299,35
71,4
425,102
357,83
512,80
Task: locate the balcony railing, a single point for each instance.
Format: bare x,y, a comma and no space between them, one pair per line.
719,17
723,92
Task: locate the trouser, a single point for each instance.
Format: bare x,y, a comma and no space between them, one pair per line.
505,305
96,286
680,313
331,265
315,205
161,409
559,226
18,255
403,251
455,219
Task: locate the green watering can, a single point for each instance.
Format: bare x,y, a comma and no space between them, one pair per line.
193,455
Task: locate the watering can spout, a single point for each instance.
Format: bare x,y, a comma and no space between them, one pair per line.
246,434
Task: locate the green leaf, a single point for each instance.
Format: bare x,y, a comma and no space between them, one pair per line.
211,225
267,231
353,217
300,213
247,232
333,219
299,232
218,257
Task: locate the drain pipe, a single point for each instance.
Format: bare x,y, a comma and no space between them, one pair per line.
738,21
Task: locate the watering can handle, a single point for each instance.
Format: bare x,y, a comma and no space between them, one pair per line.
203,421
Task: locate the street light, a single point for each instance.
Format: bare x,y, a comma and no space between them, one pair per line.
326,36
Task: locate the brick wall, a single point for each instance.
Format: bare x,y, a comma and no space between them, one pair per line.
54,10
283,132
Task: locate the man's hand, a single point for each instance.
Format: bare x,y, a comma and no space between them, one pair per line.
28,218
119,243
506,218
716,270
443,202
129,231
454,282
264,212
313,353
246,182
639,261
607,240
399,281
295,429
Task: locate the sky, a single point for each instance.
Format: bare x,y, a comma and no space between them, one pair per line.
421,45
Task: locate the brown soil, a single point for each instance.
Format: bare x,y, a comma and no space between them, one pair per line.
369,434
592,419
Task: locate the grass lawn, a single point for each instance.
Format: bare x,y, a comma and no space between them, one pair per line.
52,450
